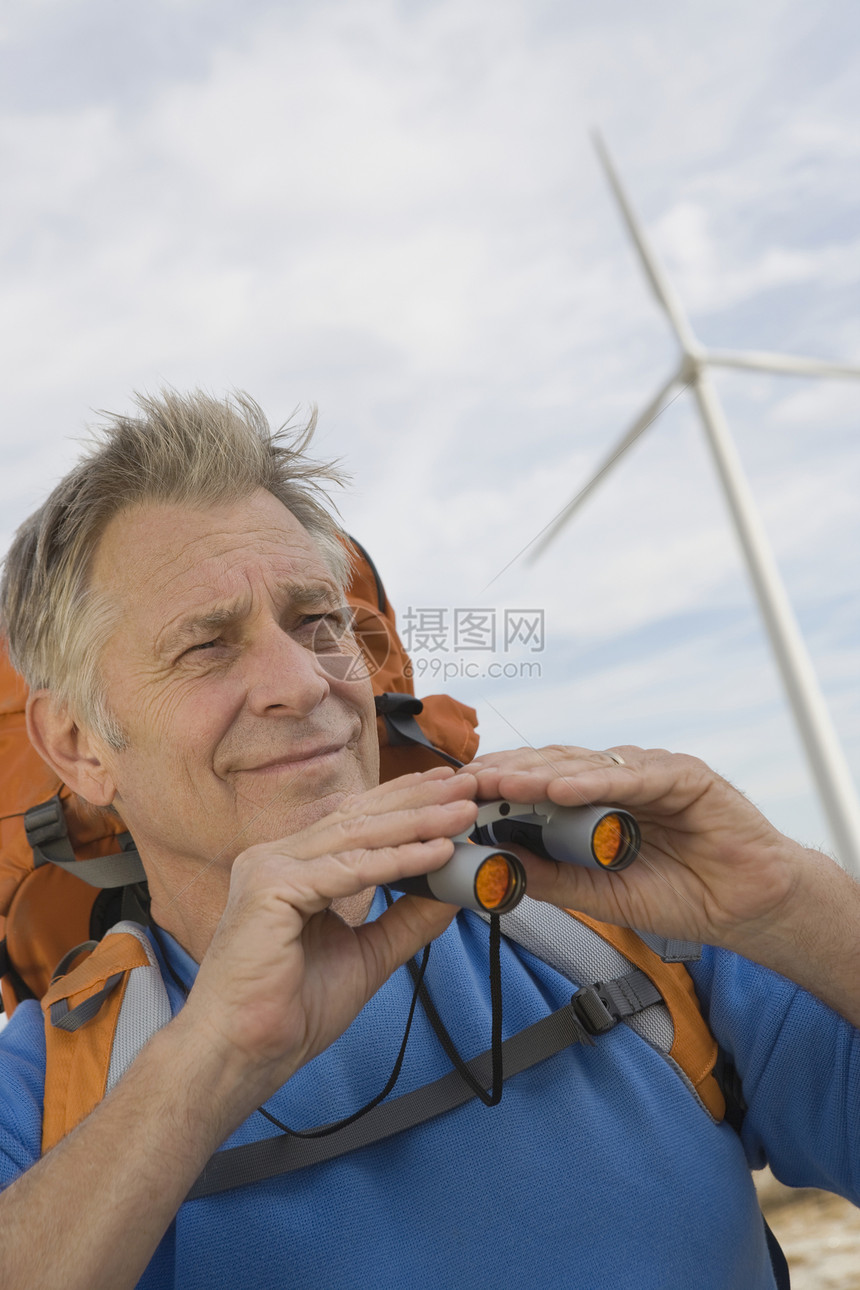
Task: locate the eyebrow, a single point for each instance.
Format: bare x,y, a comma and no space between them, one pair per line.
305,597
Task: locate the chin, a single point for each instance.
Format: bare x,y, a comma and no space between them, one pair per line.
282,822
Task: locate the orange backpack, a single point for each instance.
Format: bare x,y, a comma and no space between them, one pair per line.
46,910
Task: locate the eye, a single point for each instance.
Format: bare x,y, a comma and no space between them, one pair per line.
204,645
326,631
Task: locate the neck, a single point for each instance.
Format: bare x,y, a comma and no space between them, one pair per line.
190,911
187,900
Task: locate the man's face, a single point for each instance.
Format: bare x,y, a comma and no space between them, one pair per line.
240,724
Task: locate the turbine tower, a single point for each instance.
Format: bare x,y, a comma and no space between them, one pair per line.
826,759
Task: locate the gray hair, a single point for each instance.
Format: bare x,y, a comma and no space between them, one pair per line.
190,449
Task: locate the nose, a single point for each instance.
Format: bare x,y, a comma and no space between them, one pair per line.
284,677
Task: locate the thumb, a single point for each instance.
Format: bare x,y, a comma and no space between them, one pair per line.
399,933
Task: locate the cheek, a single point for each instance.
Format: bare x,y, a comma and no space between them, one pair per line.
183,721
360,699
168,761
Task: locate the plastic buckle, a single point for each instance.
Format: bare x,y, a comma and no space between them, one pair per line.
591,1012
43,824
391,704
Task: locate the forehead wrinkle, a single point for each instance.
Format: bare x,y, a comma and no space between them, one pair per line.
310,594
222,547
190,626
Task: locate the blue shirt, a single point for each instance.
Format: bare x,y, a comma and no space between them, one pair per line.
599,1168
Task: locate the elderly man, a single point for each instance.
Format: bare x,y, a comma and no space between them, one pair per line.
165,607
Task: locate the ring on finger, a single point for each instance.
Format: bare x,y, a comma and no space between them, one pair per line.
616,757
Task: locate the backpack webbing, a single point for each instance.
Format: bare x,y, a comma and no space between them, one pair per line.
593,1010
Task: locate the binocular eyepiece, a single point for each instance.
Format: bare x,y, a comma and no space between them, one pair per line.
482,875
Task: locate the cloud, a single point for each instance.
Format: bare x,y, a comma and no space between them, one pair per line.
395,209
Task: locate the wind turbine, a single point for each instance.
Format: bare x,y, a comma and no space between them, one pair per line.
826,759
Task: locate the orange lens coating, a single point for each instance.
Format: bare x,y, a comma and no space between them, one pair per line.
607,840
493,882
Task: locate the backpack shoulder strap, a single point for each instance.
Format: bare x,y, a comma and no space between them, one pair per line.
48,836
694,1049
97,1018
590,952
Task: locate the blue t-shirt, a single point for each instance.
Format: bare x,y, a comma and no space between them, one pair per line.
599,1167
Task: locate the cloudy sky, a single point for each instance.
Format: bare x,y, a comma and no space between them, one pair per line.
393,209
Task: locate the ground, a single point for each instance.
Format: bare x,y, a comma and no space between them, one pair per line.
819,1232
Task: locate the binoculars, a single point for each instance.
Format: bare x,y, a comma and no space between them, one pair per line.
482,875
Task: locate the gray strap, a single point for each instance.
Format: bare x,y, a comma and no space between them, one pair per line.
629,994
602,1005
45,826
66,1018
592,1011
583,956
69,957
398,711
118,870
670,949
255,1161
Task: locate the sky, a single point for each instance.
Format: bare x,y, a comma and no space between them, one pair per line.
393,210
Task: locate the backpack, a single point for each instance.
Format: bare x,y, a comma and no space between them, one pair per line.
66,868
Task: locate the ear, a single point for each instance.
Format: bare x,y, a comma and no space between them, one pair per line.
74,752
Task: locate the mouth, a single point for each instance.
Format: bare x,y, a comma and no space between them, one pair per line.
297,759
296,763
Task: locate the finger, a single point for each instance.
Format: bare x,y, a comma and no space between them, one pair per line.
408,793
309,886
673,782
413,777
439,785
529,756
399,933
509,759
524,776
338,833
565,885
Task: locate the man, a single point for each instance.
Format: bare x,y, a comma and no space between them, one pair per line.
165,606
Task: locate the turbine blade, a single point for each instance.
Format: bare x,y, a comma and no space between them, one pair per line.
642,422
790,363
660,284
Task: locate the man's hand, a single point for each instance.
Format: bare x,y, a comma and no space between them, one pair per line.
711,867
284,975
709,861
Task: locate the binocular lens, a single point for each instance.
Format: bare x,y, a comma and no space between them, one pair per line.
494,883
476,877
598,837
612,841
